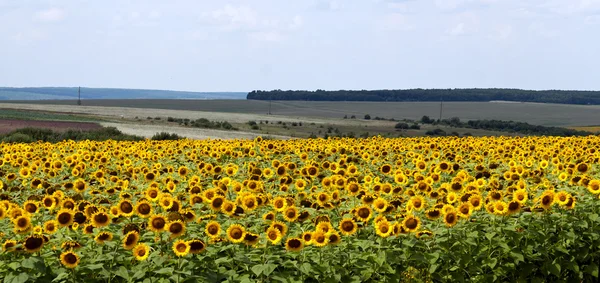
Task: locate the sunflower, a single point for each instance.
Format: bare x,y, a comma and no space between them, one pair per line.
50,227
250,202
213,229
33,243
451,197
9,245
290,214
324,226
433,214
274,235
547,199
196,246
130,240
411,223
22,223
520,195
513,207
280,226
417,203
141,251
181,248
69,259
236,233
228,208
424,233
100,219
380,205
216,203
348,226
465,210
157,223
475,201
594,187
49,202
294,244
31,206
333,238
103,237
143,209
450,218
383,229
319,239
363,213
64,217
279,204
500,208
126,208
176,228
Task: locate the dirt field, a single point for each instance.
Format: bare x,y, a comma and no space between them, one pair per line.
533,113
8,125
148,131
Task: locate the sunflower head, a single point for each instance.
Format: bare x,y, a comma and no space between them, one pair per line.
69,259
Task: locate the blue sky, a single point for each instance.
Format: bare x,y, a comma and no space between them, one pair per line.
301,44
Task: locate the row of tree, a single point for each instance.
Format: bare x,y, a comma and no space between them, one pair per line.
472,94
507,126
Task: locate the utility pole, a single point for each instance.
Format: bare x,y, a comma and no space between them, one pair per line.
270,99
79,96
441,105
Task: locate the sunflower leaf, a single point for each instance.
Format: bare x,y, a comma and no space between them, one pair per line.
258,269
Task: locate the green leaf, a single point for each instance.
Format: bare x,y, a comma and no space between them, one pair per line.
269,268
36,263
490,235
258,269
14,265
139,274
21,278
518,257
123,273
592,269
61,276
165,271
221,260
95,266
306,268
433,268
491,262
553,268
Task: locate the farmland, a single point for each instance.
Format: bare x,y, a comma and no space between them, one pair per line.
305,210
534,113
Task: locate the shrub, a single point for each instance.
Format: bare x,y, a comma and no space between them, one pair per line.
163,136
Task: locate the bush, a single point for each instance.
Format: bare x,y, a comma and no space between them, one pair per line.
415,127
164,136
17,138
367,117
402,126
426,120
46,135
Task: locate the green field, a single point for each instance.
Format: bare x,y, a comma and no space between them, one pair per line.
44,116
533,113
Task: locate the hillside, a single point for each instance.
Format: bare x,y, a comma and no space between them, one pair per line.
63,93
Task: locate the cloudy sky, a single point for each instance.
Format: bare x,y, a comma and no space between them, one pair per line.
202,45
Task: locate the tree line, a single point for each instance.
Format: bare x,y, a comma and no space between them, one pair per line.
471,94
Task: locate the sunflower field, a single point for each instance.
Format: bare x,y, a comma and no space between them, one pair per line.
307,210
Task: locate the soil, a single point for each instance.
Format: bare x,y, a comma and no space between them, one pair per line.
8,125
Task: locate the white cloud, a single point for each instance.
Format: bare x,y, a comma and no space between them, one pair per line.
542,30
395,22
235,17
50,15
266,36
502,32
457,30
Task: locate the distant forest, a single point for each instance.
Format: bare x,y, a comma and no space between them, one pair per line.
471,94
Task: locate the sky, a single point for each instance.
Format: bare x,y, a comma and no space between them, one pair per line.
199,45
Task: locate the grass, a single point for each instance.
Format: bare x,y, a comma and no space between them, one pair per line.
44,116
